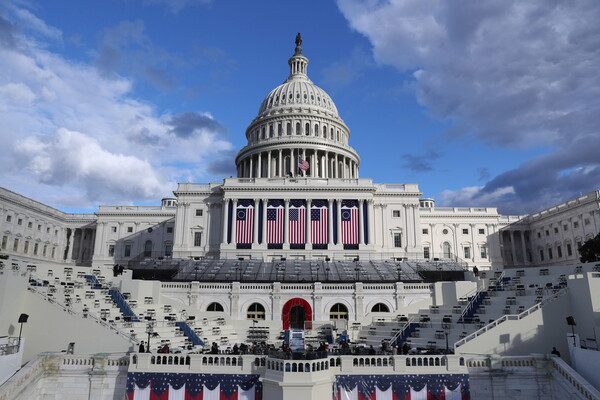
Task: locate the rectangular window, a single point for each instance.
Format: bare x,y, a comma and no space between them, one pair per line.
19,221
396,213
198,213
4,242
53,251
130,229
169,229
555,230
550,254
565,227
45,250
425,231
426,252
127,252
35,249
48,230
397,239
541,255
482,231
56,232
26,247
575,224
539,235
111,250
465,231
569,250
483,251
113,229
559,251
586,221
197,239
39,227
30,225
8,218
16,245
547,233
467,251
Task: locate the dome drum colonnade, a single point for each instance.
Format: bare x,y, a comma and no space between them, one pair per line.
298,122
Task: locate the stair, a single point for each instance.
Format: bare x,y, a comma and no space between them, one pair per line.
189,332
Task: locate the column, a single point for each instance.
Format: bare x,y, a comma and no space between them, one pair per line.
259,169
512,247
251,174
370,221
314,169
71,242
523,247
269,164
264,221
234,222
361,224
473,244
255,223
336,167
280,161
225,219
330,223
308,238
339,222
286,218
292,169
326,165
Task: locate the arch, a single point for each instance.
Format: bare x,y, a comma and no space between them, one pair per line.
215,306
148,248
295,302
338,311
380,307
255,311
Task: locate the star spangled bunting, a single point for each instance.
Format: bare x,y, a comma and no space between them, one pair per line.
401,387
196,386
275,211
297,221
244,221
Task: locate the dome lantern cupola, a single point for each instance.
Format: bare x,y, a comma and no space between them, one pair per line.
298,63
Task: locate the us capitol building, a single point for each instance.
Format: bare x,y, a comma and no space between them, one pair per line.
297,250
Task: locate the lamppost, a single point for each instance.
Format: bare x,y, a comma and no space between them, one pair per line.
150,332
22,320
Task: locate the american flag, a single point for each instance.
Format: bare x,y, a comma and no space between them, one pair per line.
318,222
168,386
349,221
402,387
275,221
244,221
297,219
303,164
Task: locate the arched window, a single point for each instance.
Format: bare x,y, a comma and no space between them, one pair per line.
298,130
380,307
307,127
262,136
447,250
338,311
289,129
214,307
316,130
325,132
279,129
148,248
271,134
256,311
331,134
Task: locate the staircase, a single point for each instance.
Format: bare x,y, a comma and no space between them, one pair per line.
123,305
189,332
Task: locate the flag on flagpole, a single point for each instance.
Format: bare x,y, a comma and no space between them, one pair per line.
244,222
275,212
318,222
303,164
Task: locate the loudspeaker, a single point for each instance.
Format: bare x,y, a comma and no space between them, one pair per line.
571,321
23,318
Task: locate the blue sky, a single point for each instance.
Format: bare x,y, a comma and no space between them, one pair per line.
492,103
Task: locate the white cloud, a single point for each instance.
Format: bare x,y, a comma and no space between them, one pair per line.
507,73
78,134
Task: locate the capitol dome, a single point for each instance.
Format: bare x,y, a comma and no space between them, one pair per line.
298,132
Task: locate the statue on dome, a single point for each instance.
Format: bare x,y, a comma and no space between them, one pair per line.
298,40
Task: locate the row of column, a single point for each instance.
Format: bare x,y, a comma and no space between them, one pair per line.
308,240
281,163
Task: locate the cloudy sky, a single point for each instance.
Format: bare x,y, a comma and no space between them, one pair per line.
482,103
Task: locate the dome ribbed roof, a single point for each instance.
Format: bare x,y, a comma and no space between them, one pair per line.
298,90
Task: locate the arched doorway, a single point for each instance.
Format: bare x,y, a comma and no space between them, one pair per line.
296,314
